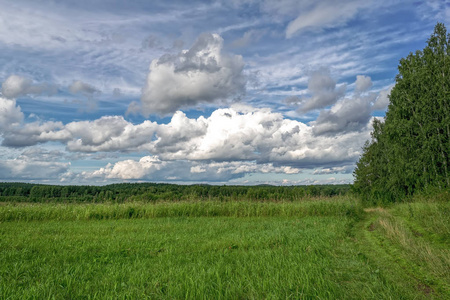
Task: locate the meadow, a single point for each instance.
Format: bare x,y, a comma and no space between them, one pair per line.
312,248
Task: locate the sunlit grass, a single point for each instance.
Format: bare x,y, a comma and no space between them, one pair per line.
347,206
205,257
412,240
324,249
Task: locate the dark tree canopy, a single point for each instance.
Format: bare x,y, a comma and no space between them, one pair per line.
409,151
153,192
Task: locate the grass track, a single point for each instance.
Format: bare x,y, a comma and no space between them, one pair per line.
410,243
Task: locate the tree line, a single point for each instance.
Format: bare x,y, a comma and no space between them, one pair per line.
152,192
409,150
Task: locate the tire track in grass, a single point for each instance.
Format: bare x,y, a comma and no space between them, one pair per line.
384,240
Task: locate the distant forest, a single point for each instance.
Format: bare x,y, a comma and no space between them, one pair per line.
152,192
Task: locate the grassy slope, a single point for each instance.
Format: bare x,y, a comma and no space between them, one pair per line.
314,249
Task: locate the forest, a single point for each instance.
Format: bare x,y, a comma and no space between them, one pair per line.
152,192
410,149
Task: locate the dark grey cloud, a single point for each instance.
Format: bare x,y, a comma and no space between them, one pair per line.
350,114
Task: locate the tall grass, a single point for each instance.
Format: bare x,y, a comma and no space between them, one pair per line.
413,241
186,258
135,210
313,249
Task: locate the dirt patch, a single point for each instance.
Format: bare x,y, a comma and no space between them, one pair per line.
372,227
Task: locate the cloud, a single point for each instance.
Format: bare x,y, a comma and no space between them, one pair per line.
350,114
239,133
33,164
249,37
335,170
382,100
152,41
10,114
23,169
363,83
323,90
117,93
202,74
40,154
15,86
152,168
80,87
34,133
108,134
243,133
130,169
133,109
324,14
87,90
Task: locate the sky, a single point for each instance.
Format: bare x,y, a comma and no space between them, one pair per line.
239,92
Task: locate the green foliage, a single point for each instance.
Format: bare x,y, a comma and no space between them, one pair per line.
155,192
409,152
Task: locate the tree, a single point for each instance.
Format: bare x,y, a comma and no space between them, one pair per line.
410,150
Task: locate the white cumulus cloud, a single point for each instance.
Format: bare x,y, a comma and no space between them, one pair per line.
239,133
202,74
10,114
129,169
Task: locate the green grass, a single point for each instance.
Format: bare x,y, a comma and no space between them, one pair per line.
319,249
136,210
412,241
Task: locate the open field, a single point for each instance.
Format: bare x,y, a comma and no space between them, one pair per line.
317,248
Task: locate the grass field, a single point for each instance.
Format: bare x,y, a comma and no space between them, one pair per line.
314,249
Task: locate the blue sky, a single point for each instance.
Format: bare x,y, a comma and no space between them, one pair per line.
223,92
